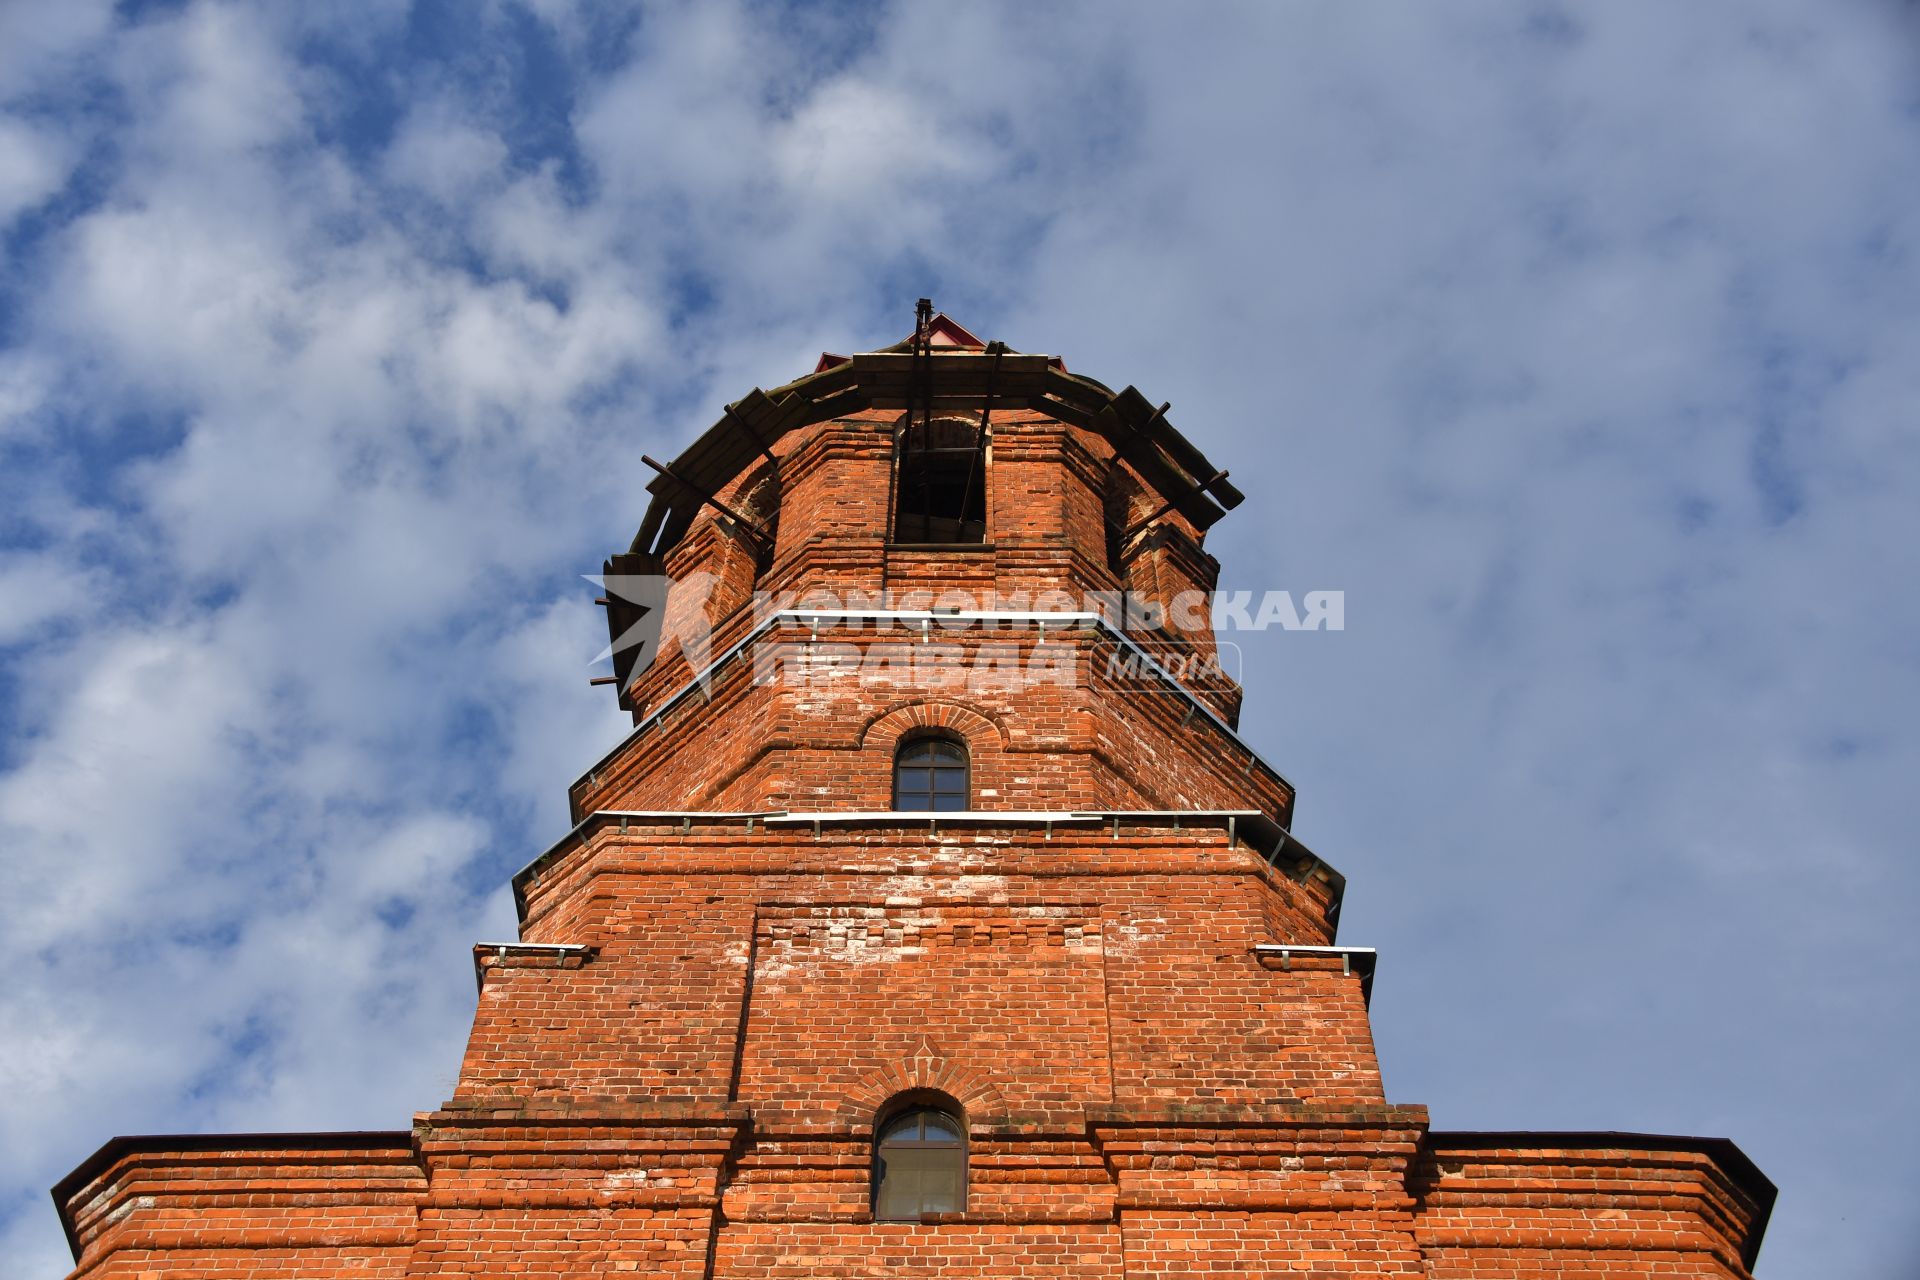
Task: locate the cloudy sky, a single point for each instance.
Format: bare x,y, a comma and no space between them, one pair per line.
1577,346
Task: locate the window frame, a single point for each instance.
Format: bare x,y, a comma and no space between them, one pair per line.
931,791
918,1103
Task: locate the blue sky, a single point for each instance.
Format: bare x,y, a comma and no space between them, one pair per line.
1577,346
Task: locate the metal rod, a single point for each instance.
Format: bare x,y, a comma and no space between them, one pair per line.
923,380
1152,418
1157,414
1133,431
1170,504
751,434
708,498
980,433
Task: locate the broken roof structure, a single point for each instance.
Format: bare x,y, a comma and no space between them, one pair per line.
958,372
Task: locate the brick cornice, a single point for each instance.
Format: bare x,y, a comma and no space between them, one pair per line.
91,1195
1734,1214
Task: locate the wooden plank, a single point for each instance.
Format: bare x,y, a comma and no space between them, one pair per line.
1072,414
1085,392
852,400
946,363
814,385
1139,437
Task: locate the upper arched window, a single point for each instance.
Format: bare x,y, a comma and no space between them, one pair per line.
919,1165
930,773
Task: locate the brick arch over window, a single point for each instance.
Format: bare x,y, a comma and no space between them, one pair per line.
983,736
981,733
925,1070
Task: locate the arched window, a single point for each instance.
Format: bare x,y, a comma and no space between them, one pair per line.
930,773
919,1165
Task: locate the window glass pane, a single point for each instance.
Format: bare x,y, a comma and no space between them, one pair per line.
898,1199
921,1180
920,1167
930,773
940,1188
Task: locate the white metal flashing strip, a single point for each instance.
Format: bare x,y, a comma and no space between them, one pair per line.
903,817
500,950
1286,950
1069,617
1361,960
975,817
1175,814
935,818
684,816
1229,818
531,949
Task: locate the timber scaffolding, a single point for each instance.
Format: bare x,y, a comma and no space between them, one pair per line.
921,374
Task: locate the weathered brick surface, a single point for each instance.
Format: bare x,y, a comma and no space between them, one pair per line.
789,1251
679,1070
1188,1242
195,1207
1597,1205
654,1013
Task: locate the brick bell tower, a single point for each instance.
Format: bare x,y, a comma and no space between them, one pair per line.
934,919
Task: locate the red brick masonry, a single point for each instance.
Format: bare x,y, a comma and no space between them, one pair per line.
1118,968
694,1093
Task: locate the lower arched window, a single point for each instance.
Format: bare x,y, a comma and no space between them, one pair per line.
919,1165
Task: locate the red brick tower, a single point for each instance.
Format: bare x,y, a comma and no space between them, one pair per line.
933,919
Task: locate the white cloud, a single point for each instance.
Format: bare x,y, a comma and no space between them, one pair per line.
40,40
209,83
445,156
33,165
853,140
36,590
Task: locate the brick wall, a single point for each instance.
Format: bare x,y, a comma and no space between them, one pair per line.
679,1069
